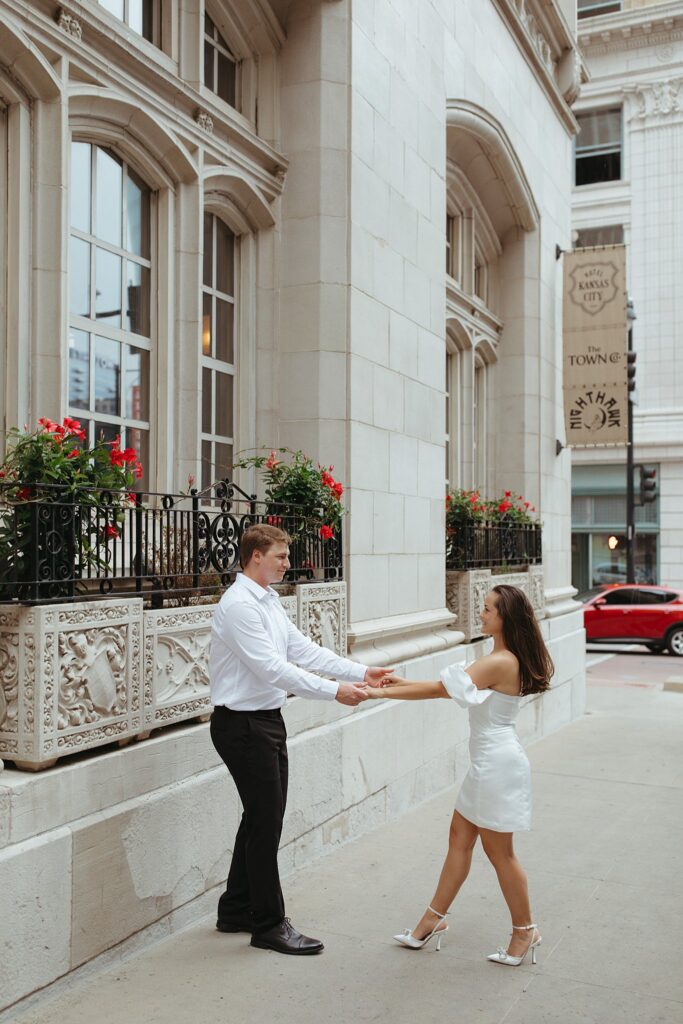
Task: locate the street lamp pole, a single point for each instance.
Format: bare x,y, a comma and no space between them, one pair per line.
630,497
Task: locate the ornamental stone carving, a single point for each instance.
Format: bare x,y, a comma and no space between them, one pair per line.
204,120
69,24
466,590
81,675
658,100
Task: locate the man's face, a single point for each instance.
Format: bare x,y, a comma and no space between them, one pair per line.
273,563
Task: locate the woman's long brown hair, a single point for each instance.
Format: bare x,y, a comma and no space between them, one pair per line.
522,637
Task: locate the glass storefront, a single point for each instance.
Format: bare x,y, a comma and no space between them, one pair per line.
599,529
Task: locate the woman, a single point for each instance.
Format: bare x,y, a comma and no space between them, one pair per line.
495,798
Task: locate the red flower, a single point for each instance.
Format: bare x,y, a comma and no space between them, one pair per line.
116,457
473,499
129,455
338,489
533,508
190,480
2,472
526,504
24,493
74,453
504,506
507,494
272,461
138,470
111,531
326,532
71,425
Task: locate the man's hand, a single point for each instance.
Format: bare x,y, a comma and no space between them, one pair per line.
376,676
350,694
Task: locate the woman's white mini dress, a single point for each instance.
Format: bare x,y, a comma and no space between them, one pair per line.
496,793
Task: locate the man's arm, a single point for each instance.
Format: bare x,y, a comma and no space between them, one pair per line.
312,656
242,631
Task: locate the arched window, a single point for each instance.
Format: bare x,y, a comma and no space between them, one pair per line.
110,315
218,350
220,66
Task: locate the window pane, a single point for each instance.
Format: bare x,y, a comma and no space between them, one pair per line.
224,425
106,432
80,185
207,401
601,167
115,6
610,234
79,278
226,79
137,299
108,287
137,216
107,376
209,26
207,467
224,349
208,65
225,256
136,387
206,325
223,461
79,369
141,17
599,128
139,439
208,250
108,201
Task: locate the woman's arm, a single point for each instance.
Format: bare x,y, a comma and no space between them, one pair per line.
405,689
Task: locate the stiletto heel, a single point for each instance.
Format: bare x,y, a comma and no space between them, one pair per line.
408,940
501,956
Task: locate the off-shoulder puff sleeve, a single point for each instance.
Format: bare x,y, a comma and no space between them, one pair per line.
461,688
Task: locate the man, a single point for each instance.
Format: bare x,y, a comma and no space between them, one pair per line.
255,654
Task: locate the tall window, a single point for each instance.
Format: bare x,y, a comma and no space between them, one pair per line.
452,412
479,425
109,281
609,234
140,15
598,146
218,350
220,67
454,245
589,8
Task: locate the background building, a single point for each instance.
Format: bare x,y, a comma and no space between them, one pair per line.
627,189
327,225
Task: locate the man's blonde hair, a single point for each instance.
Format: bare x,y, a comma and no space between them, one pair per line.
260,537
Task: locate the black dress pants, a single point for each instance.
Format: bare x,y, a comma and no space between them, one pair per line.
253,745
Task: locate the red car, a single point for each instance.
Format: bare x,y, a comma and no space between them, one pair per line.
637,614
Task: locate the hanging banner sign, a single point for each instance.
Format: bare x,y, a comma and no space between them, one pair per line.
595,332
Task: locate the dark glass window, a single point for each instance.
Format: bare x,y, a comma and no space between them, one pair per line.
610,234
653,596
598,146
624,595
591,8
220,66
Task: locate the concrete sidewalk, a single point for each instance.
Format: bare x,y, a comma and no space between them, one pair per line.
604,863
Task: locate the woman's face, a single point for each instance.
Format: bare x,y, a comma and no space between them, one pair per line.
490,619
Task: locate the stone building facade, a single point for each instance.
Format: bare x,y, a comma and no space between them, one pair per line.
634,53
326,224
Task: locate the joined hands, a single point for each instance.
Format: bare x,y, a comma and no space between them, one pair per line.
352,694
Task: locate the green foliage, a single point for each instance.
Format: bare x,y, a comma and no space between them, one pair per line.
467,506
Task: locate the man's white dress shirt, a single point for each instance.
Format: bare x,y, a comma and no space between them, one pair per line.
253,645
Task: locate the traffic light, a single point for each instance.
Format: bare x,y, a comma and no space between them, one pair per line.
631,370
648,485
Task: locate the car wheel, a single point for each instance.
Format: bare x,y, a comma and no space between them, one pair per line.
674,641
655,648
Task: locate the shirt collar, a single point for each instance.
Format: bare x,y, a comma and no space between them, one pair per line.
255,588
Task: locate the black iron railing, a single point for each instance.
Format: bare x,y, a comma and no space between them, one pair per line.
164,547
493,545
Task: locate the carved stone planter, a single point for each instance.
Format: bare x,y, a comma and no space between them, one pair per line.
77,676
466,590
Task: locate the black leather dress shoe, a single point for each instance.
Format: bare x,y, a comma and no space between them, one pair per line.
283,938
238,925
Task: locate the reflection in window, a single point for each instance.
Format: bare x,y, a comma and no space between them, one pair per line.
591,8
220,67
110,290
218,350
140,15
610,234
598,146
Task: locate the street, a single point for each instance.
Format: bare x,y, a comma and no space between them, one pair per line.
605,877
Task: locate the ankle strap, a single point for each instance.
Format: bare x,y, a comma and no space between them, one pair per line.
447,912
523,927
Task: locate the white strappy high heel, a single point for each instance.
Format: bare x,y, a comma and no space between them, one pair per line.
408,939
501,956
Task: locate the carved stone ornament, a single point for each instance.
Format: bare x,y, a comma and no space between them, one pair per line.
466,590
204,120
322,614
538,40
659,99
69,24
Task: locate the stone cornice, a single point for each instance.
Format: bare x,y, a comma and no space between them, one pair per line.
628,30
544,37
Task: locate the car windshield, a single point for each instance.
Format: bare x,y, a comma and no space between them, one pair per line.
588,595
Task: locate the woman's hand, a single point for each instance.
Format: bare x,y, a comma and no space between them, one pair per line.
373,692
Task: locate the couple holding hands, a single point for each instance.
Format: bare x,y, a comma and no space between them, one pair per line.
258,656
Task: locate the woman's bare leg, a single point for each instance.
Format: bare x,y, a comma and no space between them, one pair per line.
456,867
513,883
